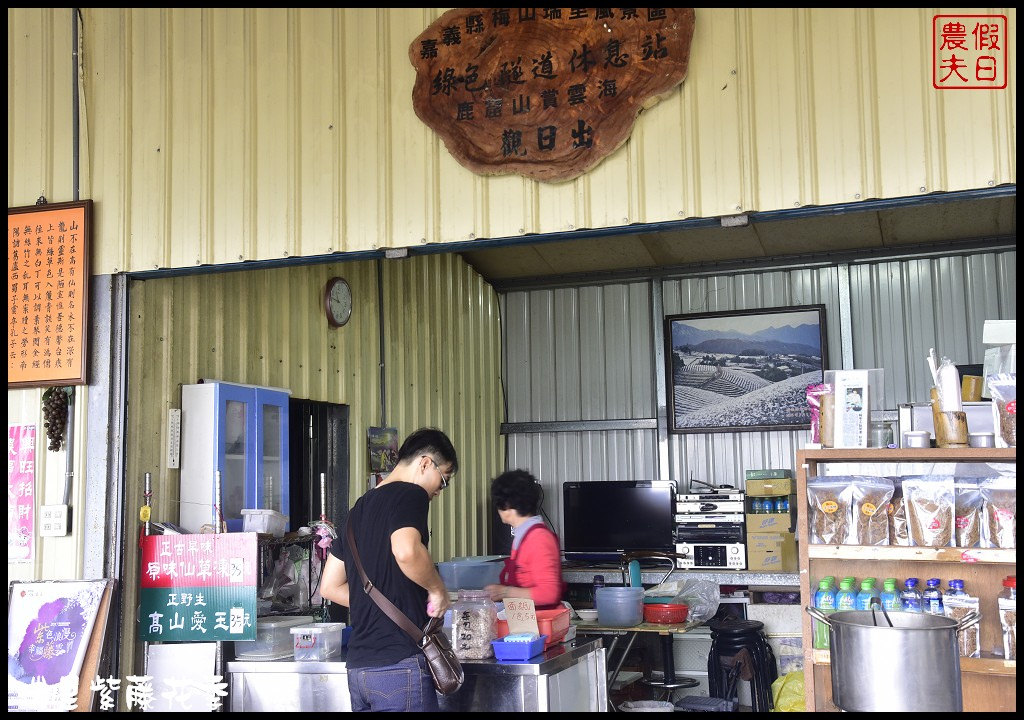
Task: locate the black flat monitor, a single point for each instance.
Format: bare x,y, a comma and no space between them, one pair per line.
603,519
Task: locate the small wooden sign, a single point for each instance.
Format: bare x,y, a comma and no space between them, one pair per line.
47,293
545,92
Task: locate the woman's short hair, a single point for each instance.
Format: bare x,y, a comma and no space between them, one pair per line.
517,490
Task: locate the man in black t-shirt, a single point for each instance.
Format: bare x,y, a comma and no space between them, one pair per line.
386,669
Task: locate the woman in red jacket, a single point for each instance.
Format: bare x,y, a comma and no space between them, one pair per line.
534,569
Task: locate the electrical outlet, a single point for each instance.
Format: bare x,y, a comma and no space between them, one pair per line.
53,520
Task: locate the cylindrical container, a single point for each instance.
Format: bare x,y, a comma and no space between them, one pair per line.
917,439
1007,602
473,625
620,606
913,666
970,388
981,439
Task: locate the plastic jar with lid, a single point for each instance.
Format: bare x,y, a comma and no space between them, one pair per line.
473,625
1008,616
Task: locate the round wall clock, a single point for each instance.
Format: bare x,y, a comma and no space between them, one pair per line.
337,302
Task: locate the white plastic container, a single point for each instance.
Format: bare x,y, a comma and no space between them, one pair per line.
273,639
270,522
317,641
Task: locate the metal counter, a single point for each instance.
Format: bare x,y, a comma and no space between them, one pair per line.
569,676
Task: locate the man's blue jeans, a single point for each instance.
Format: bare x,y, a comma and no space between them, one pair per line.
404,687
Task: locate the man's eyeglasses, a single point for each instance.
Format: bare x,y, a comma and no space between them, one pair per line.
444,480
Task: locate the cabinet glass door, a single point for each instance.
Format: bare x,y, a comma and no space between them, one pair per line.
235,451
272,451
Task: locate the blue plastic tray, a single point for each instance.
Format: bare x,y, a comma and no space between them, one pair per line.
518,650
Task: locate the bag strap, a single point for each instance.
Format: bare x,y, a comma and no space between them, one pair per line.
396,615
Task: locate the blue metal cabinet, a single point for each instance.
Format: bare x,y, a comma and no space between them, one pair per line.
241,431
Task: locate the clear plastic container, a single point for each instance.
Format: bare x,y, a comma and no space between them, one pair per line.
317,642
620,606
1008,617
270,522
469,574
473,625
273,638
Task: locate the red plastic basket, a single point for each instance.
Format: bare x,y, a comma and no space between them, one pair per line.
666,613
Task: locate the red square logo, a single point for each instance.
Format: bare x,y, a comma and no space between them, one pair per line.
969,52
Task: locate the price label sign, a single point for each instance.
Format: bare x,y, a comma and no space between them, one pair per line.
521,614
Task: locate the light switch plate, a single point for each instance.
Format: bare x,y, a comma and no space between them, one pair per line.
53,520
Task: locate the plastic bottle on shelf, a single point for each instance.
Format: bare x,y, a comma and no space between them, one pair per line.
757,506
846,598
890,596
782,505
955,587
911,596
598,583
932,597
867,591
824,600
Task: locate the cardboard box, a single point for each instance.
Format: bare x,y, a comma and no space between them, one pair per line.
771,552
769,487
773,522
768,474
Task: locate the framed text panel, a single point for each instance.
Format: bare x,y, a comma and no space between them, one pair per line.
47,293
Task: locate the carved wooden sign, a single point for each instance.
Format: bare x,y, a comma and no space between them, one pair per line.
545,92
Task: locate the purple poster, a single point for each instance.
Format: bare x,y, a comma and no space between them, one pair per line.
48,629
21,482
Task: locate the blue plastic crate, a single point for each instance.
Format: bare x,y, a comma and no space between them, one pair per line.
518,650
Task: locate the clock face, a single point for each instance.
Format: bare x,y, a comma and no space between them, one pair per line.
338,302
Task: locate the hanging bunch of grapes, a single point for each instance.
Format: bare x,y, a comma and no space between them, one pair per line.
55,416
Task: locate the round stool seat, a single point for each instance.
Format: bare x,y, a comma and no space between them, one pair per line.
736,627
680,682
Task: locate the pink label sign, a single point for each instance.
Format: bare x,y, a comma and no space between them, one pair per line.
21,482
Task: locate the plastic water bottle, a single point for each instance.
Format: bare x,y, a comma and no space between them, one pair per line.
911,596
890,596
867,591
756,506
824,600
782,505
598,583
932,597
846,598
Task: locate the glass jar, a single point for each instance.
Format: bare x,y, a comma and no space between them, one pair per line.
473,625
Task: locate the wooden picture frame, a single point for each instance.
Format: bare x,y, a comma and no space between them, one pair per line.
743,370
48,294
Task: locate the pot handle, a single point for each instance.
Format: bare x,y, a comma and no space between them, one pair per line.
818,615
971,618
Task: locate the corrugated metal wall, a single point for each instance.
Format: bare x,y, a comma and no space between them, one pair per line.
216,135
267,327
597,342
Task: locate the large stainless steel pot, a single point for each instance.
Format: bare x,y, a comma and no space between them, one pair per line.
912,666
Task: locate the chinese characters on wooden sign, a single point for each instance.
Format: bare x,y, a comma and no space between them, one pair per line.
545,92
47,293
198,588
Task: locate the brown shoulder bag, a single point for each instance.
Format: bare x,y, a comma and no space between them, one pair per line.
445,668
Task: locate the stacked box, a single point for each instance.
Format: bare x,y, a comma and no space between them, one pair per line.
771,536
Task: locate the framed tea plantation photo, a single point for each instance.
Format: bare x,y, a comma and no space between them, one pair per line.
744,370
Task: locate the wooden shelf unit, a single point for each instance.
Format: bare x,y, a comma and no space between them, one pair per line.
989,683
